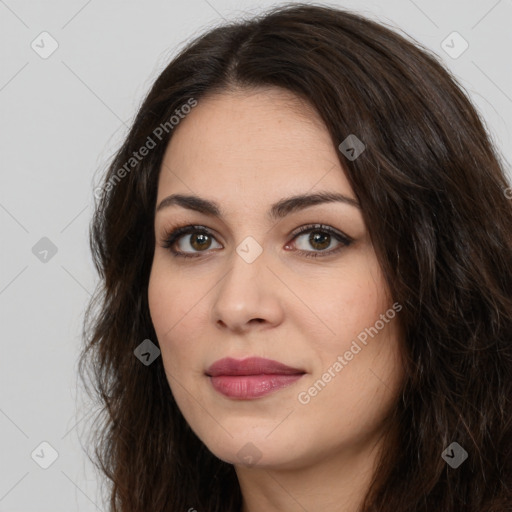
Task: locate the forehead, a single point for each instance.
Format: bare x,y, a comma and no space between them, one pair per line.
257,143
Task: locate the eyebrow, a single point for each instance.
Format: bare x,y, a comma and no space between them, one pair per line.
277,211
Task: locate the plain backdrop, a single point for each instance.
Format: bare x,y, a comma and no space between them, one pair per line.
62,117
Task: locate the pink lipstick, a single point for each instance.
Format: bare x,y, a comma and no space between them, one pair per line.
251,378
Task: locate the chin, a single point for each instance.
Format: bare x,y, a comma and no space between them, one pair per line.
254,451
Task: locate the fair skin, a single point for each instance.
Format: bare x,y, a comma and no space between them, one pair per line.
246,150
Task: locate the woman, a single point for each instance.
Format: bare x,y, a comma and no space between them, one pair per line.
305,247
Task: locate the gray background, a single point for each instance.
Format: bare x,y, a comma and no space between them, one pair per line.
62,117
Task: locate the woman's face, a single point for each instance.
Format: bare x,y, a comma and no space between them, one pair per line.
253,288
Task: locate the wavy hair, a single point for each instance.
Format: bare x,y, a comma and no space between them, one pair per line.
431,185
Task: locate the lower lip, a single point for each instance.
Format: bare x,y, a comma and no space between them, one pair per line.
245,387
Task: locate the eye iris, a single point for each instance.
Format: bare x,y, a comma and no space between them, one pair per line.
317,238
203,241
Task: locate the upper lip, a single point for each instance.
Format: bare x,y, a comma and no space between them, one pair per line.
250,366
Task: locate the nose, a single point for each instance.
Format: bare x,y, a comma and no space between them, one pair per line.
249,295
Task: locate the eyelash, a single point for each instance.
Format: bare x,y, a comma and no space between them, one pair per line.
171,237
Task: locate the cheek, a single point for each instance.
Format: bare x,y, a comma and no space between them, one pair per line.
178,318
168,298
354,384
168,308
174,310
343,303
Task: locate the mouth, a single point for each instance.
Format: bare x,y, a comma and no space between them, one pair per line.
251,378
250,366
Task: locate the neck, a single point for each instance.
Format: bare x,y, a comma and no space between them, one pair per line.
337,482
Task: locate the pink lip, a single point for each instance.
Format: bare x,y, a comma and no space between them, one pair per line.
252,377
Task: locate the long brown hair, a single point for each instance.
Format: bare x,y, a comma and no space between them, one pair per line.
432,191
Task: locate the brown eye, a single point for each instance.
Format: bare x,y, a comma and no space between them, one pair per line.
200,241
190,241
195,241
319,240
